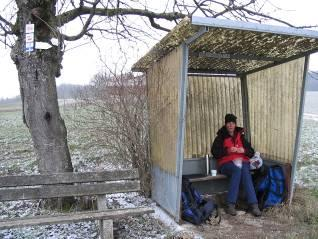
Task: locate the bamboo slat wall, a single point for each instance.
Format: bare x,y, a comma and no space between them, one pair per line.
274,99
208,100
163,97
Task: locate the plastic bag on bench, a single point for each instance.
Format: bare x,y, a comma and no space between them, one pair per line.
256,161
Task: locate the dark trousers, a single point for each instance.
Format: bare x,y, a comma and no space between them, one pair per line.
239,176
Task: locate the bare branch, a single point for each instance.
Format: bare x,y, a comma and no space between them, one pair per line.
5,42
232,7
74,13
6,22
85,27
7,27
157,26
199,6
307,26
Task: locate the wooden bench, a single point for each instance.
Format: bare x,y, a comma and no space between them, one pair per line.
202,178
196,169
59,185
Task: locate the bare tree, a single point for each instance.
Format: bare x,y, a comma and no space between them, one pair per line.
37,71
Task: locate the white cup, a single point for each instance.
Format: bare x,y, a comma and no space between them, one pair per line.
213,172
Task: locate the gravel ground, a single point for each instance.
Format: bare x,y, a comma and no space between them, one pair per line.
146,226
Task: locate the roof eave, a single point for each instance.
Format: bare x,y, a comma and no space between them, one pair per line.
250,26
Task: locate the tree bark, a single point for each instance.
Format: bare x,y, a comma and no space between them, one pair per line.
37,71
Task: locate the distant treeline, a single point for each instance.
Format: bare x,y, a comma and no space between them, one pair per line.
64,91
69,91
10,100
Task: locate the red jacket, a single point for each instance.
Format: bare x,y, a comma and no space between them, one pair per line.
223,142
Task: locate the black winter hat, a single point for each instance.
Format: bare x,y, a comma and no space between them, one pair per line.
230,118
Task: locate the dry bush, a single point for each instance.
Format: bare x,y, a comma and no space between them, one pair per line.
115,113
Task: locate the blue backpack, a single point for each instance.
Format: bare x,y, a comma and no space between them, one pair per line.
194,208
270,189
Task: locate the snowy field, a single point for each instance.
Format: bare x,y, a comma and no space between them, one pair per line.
17,157
307,169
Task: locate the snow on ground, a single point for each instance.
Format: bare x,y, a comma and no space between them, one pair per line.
17,157
311,117
307,166
177,229
158,225
31,208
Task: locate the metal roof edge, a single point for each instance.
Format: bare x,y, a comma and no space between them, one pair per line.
136,69
250,26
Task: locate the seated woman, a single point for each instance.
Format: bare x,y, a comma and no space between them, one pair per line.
232,152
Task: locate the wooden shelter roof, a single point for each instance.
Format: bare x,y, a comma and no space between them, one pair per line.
226,46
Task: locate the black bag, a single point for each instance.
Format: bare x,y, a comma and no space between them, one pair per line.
195,209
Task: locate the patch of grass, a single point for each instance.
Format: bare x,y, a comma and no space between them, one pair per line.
72,147
315,193
14,169
303,233
21,151
180,235
303,211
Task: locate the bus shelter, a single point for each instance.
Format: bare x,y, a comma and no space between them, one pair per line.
205,68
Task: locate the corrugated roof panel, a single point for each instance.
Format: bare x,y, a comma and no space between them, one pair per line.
230,46
224,65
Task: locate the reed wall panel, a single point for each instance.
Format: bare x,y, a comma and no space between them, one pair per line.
163,80
208,100
274,99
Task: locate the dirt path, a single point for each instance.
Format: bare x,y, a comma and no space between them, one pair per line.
247,226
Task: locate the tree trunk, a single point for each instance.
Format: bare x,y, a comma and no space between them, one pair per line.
37,71
144,168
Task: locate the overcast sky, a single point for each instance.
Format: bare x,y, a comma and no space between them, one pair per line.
81,63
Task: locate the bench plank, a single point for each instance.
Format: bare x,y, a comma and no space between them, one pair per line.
207,178
58,178
73,217
53,191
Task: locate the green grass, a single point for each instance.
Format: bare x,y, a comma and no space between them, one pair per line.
303,210
315,193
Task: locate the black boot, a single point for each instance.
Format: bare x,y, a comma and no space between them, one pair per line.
230,209
255,210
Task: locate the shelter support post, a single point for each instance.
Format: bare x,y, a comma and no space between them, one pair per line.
299,126
183,85
245,107
188,41
181,123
